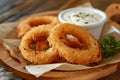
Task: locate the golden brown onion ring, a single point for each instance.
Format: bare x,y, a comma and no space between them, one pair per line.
89,52
35,48
26,24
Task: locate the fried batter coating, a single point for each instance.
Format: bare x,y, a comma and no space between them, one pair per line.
89,50
30,22
35,48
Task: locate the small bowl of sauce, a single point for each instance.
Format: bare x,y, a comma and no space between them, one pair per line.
90,18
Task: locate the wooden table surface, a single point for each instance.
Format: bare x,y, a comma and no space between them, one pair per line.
12,10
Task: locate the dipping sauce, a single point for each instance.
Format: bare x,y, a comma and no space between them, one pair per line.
81,17
90,18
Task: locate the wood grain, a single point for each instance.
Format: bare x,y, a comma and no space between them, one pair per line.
91,74
20,8
16,67
11,10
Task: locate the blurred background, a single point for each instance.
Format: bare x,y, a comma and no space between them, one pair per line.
11,10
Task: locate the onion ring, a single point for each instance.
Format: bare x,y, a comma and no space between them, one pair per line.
30,22
35,48
112,10
113,14
88,53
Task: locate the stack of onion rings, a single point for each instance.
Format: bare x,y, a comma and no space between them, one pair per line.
26,24
88,53
35,48
45,44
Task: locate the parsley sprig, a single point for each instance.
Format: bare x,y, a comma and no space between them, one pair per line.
110,46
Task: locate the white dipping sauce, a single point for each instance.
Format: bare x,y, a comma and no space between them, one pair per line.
90,18
82,17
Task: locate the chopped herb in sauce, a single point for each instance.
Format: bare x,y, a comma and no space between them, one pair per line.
82,17
80,13
87,14
86,22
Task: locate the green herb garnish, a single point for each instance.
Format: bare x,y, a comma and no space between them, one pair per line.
76,15
110,46
86,22
80,13
87,14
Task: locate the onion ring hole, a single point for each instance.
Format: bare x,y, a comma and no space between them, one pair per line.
74,42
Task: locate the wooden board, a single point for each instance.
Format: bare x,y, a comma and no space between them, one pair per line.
91,74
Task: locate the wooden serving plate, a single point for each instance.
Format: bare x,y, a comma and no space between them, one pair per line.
17,68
